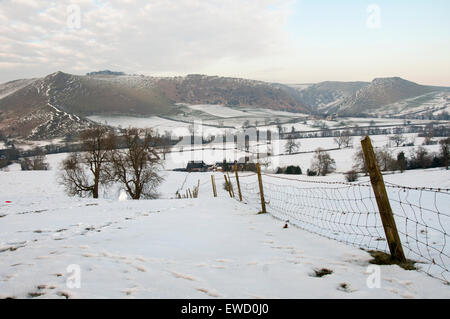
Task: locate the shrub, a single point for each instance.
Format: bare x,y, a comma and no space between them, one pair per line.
429,141
351,176
385,160
35,163
420,158
322,162
402,163
310,172
293,170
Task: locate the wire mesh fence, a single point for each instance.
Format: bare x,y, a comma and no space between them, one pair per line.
348,212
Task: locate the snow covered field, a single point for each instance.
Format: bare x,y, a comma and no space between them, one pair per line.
170,248
214,152
226,117
198,248
218,110
157,123
223,117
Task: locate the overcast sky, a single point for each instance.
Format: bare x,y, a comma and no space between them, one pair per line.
285,41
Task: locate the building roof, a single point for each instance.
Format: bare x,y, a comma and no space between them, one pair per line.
196,164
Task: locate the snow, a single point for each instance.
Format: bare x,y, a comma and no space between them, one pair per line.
123,195
215,152
27,145
142,122
176,128
177,248
434,102
218,110
217,119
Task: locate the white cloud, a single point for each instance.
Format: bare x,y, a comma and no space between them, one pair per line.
160,36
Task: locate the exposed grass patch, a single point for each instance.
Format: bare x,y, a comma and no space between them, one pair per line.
344,287
321,272
36,294
63,294
381,258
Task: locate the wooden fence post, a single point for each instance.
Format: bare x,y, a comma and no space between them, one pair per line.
213,182
384,207
261,190
228,185
237,182
231,185
196,190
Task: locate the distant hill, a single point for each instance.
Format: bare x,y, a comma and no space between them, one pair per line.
383,96
57,104
203,89
11,87
382,92
323,95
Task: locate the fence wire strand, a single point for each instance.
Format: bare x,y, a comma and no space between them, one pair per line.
348,212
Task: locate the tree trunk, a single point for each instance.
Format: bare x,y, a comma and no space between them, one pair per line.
95,191
96,182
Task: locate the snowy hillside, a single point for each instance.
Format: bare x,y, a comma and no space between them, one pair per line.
171,248
126,95
434,103
382,92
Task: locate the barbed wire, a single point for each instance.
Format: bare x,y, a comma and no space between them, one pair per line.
348,212
316,182
431,189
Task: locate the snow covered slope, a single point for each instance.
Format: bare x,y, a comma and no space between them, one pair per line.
170,248
324,95
382,93
126,95
12,86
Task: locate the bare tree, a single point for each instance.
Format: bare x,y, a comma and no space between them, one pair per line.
445,151
420,158
322,163
291,145
398,139
338,141
35,163
428,140
347,138
137,166
279,126
359,162
384,159
84,172
165,144
344,139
